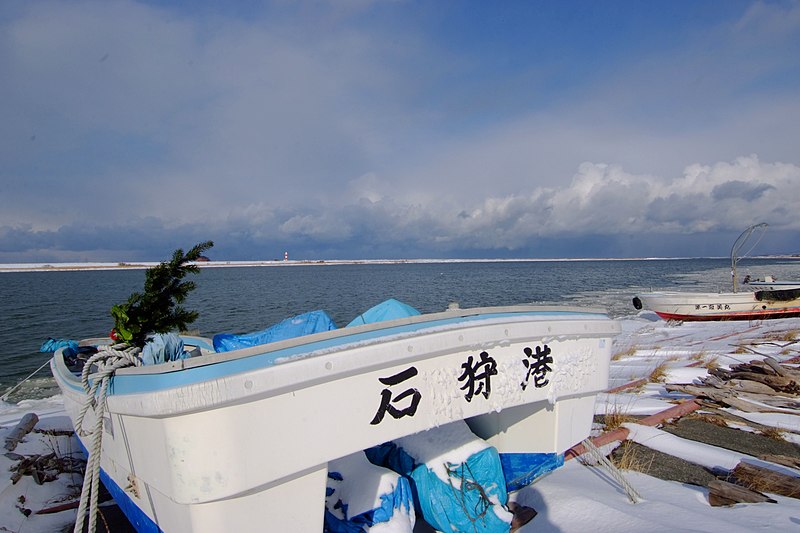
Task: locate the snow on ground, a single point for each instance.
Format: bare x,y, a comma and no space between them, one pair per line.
573,498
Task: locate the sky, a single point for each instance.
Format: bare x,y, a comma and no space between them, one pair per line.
372,129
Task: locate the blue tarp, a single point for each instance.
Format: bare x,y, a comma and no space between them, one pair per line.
387,310
465,502
51,344
520,469
163,347
305,324
353,481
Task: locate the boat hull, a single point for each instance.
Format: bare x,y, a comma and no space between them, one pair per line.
239,440
688,306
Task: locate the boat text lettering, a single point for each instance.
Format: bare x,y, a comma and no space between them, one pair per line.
481,373
387,401
711,307
537,364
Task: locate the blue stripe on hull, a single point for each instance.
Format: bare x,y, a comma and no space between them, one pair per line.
138,519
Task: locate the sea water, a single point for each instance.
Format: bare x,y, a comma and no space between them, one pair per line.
76,304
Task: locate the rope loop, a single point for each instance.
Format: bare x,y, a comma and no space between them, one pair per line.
105,364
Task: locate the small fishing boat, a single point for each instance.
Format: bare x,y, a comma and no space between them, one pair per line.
693,306
771,299
239,438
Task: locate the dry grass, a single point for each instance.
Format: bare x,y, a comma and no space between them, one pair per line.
659,374
615,417
625,353
772,433
710,419
790,335
629,459
712,363
741,349
699,356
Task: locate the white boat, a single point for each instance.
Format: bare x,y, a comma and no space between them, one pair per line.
771,299
241,440
691,306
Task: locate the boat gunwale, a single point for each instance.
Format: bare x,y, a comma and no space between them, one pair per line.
426,320
256,357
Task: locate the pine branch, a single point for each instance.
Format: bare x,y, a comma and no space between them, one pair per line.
156,310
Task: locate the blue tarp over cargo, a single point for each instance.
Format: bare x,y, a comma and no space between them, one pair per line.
387,310
51,344
521,469
305,324
451,493
361,495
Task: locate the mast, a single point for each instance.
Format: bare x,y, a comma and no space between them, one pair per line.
739,244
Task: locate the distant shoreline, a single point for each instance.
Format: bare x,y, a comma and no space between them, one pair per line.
141,265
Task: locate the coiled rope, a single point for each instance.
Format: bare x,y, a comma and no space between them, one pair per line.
598,456
107,362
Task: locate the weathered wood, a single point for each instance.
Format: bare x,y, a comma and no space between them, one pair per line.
714,381
745,385
722,493
784,460
779,383
20,430
774,365
725,397
789,405
766,480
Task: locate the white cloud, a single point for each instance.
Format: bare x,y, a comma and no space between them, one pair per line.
310,125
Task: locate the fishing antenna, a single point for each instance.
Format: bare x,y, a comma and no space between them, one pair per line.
739,244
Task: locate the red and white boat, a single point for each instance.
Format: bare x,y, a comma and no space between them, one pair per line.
674,305
771,299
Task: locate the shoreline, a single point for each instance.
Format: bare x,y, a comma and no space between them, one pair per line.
141,265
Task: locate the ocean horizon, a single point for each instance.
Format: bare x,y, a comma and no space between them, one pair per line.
122,265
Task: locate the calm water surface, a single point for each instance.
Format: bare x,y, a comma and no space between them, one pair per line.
75,305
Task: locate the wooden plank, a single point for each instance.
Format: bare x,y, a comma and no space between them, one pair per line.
766,480
725,397
722,493
784,460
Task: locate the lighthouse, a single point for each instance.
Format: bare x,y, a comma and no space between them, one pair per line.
285,256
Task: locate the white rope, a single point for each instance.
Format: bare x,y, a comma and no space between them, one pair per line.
5,396
615,472
107,362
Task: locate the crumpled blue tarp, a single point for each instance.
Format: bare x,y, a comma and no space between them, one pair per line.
465,502
353,480
163,347
387,310
521,469
305,324
51,344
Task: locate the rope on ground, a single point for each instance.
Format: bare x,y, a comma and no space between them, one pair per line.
615,472
5,396
106,363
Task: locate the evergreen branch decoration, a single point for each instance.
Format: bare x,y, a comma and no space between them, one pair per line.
157,309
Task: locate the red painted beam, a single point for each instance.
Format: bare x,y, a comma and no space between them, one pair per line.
621,434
